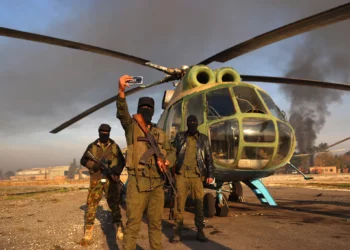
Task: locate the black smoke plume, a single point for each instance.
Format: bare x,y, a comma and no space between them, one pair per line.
322,56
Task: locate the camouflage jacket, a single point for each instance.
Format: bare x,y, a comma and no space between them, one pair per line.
111,152
135,149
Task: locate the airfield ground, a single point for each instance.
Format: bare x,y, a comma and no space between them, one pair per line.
311,215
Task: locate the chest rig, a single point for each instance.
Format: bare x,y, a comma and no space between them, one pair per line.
139,160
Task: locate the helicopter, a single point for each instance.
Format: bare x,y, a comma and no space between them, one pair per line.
250,135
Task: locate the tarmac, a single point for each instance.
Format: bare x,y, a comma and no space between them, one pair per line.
304,219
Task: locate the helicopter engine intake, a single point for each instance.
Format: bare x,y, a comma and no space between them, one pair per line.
198,75
227,74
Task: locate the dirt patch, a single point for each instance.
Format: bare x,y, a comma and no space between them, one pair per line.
313,219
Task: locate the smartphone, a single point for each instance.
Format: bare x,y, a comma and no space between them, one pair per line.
137,80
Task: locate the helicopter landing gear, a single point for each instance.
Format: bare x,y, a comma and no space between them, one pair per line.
209,205
221,203
261,192
236,193
216,205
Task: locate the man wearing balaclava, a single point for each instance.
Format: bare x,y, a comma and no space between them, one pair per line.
145,185
103,148
193,165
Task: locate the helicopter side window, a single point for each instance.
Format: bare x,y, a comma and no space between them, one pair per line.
248,100
219,104
284,143
174,120
224,141
195,106
271,105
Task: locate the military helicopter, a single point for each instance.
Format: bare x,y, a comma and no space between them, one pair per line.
250,136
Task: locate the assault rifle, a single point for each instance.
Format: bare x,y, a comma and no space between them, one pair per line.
154,150
104,168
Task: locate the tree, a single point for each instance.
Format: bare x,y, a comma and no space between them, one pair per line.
8,174
72,169
1,175
19,170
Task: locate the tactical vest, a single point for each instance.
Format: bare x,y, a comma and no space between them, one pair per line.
110,153
138,148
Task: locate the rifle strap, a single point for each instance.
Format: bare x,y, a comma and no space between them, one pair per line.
144,158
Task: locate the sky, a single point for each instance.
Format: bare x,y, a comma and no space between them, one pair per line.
42,86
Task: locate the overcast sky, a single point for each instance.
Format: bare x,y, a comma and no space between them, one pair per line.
41,86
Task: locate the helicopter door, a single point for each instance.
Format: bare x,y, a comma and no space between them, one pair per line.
173,123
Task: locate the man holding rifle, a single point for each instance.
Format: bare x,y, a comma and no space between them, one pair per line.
147,168
105,162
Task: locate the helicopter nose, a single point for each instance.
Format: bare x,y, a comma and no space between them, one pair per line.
259,143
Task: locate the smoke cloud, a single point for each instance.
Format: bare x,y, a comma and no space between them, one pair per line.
323,56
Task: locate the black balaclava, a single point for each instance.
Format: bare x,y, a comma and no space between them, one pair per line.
192,124
105,128
146,112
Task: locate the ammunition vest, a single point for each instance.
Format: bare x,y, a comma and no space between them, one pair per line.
110,153
137,148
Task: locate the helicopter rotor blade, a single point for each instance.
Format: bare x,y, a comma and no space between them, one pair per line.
328,17
84,47
107,102
319,152
296,81
69,44
341,141
325,150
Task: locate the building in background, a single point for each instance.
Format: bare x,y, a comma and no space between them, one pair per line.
323,170
49,173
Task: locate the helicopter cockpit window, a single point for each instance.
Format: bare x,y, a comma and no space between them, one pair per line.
258,130
255,157
195,106
248,100
224,138
284,143
272,106
219,104
174,120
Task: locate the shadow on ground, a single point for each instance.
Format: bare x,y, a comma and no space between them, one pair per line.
105,219
338,213
189,237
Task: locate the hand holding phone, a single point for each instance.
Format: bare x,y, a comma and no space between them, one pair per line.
136,80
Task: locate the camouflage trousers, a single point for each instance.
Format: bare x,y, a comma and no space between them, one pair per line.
136,203
194,186
112,191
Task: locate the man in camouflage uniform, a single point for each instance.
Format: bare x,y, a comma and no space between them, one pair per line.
99,182
193,165
145,185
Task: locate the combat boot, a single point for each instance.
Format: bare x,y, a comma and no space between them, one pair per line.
201,236
176,236
87,235
119,231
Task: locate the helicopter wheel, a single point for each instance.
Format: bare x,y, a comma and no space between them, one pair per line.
236,192
222,210
209,205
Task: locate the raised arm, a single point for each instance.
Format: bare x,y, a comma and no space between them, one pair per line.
122,107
